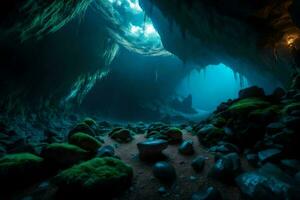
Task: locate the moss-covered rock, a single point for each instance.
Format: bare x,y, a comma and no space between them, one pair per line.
210,135
90,122
100,176
121,135
83,128
247,105
265,115
173,135
62,155
19,170
85,141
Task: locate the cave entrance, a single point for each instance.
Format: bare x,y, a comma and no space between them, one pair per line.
211,86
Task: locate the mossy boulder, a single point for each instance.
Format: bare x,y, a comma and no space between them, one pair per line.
173,135
85,142
121,135
210,135
83,128
100,176
265,115
253,91
62,155
19,170
90,122
247,105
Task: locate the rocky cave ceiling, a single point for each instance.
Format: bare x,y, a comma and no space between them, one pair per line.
254,38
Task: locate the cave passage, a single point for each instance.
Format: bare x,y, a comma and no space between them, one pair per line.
149,100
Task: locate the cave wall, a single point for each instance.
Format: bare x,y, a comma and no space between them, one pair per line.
41,72
253,38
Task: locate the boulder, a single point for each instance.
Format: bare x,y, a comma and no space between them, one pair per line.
278,93
85,142
82,128
186,148
207,193
63,155
106,177
292,166
152,148
121,135
269,155
210,135
253,91
173,135
19,170
269,182
164,171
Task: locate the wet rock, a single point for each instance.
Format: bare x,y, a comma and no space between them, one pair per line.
106,151
290,165
164,171
290,107
198,163
226,167
209,134
90,122
174,135
186,148
235,159
152,148
252,159
269,155
62,155
207,193
224,147
253,91
292,122
269,182
83,128
162,190
104,124
121,135
85,142
274,127
109,176
278,93
19,170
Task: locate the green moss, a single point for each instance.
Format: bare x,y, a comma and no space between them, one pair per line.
85,141
274,109
19,160
102,175
121,135
248,104
62,155
19,170
174,135
90,122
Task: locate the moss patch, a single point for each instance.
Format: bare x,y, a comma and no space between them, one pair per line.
290,107
62,155
85,141
105,176
246,105
17,170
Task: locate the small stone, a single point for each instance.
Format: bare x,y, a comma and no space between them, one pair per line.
186,148
193,178
292,166
198,163
207,193
269,155
162,190
164,171
252,159
106,151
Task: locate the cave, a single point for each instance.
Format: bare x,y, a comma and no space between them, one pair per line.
150,99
